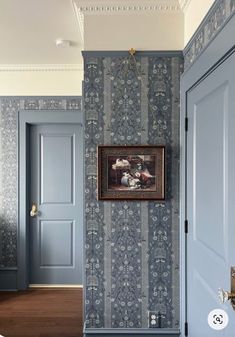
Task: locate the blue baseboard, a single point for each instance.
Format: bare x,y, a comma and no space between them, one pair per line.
131,332
8,279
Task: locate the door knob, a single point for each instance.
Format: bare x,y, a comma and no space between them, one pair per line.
224,296
34,210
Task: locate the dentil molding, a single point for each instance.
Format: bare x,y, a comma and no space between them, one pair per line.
41,67
101,7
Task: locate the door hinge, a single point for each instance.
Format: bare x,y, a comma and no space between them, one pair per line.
186,124
186,226
186,328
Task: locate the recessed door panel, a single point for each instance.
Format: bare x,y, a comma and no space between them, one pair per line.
54,234
208,150
57,168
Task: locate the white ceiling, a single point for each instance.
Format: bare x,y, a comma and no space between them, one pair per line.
29,28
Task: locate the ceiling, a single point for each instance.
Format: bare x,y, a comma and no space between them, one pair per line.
29,28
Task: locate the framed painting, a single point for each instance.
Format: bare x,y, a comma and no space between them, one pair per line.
131,172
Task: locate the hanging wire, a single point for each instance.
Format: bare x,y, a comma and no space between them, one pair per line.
132,52
125,68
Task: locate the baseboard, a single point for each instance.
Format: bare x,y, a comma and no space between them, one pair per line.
8,279
131,332
66,286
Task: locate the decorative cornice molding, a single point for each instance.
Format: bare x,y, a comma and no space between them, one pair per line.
41,67
80,19
184,4
108,7
126,6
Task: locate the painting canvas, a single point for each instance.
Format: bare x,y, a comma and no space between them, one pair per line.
131,172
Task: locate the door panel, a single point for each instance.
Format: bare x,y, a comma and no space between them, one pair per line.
57,168
210,197
54,234
208,151
56,184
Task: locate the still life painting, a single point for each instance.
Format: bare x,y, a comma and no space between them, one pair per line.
131,172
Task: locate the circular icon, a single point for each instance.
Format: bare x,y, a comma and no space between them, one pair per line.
218,319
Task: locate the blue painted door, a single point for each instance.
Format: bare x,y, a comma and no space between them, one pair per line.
211,198
55,231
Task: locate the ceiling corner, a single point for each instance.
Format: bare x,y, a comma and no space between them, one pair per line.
184,4
80,19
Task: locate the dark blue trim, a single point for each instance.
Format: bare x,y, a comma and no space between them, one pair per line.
131,332
119,53
8,279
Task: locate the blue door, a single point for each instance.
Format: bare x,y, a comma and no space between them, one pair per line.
211,198
55,205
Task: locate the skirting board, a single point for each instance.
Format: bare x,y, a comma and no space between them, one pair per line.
70,286
131,332
8,279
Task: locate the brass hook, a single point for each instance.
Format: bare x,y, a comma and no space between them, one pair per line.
132,51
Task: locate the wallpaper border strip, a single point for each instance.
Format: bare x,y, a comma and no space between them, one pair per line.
217,17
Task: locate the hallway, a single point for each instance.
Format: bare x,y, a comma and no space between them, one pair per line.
41,313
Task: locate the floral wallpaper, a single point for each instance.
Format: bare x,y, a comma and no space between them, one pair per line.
9,108
219,14
132,248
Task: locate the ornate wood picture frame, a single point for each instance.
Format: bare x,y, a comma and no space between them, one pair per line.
131,172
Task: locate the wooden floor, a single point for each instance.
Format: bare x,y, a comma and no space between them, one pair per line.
41,313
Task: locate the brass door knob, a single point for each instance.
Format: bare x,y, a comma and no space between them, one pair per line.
34,210
224,296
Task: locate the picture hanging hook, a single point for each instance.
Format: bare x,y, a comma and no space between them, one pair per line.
132,51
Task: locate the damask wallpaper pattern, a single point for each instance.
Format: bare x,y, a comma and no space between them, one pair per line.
9,108
132,248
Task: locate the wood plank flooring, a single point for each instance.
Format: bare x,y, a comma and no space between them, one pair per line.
41,313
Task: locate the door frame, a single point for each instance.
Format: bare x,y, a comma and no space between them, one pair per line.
218,50
26,118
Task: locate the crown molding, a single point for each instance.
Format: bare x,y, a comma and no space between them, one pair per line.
184,4
126,6
80,19
108,7
41,67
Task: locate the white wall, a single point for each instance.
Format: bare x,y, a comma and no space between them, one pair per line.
142,31
41,82
163,30
194,13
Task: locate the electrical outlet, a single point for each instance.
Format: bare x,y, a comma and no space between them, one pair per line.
153,319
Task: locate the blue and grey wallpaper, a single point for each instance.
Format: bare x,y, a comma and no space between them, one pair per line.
132,247
9,108
217,17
